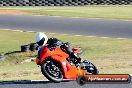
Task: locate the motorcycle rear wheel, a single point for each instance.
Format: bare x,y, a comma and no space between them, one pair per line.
52,71
94,71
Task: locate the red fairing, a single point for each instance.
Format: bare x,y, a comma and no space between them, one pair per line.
69,71
44,53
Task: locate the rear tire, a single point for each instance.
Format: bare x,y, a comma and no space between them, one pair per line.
94,71
52,71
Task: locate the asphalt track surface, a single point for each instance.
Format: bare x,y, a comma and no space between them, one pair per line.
64,25
65,84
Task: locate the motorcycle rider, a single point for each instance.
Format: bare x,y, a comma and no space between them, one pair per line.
42,41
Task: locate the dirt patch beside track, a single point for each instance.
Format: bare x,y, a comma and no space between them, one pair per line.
12,12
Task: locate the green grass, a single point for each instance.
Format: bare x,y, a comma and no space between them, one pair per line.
25,71
11,41
111,55
106,11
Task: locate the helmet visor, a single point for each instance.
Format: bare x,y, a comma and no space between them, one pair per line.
41,42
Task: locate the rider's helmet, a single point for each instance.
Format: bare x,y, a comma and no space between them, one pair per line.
41,39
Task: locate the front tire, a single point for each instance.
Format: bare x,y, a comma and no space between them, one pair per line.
52,71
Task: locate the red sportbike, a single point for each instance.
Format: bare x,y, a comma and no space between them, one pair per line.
56,65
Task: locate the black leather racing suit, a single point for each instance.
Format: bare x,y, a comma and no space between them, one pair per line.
54,42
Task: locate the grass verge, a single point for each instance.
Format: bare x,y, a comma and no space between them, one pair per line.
110,55
105,11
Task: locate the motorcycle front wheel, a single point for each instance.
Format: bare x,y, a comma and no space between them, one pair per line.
52,71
